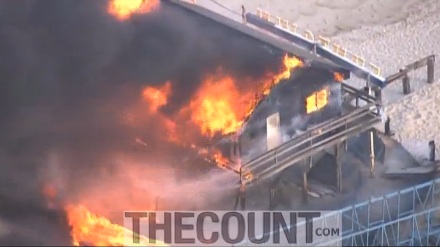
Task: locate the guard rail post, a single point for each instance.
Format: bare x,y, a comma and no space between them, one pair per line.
430,69
432,151
405,82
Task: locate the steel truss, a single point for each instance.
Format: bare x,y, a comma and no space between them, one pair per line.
409,217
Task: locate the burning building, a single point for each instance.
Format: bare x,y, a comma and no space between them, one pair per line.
103,101
104,97
311,96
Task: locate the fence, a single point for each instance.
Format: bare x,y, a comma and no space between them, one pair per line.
409,217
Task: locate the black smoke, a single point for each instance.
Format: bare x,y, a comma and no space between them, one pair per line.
67,68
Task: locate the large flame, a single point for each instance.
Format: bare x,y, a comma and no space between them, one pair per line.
289,64
217,107
89,228
157,97
123,9
220,107
317,100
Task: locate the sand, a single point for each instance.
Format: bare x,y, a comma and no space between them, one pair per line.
388,33
326,17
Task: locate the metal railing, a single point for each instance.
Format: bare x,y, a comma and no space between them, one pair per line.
325,42
314,141
317,138
409,217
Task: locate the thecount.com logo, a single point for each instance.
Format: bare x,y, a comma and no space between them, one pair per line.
232,228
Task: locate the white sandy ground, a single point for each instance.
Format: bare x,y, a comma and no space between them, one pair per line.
388,33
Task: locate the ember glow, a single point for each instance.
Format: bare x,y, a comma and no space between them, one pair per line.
317,101
123,9
157,97
91,229
338,77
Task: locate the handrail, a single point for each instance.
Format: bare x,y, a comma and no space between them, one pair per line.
317,127
359,94
304,152
299,141
320,145
325,42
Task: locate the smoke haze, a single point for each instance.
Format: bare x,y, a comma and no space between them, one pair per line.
68,72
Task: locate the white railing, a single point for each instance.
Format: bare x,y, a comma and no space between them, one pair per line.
325,42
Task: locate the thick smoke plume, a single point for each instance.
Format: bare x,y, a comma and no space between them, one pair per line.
68,70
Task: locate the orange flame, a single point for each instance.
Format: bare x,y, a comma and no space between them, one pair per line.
220,107
157,97
289,64
317,101
92,229
338,77
220,159
123,9
216,106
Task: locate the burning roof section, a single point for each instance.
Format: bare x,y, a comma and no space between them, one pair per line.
300,58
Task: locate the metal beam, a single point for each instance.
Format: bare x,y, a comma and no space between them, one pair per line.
315,48
358,94
429,60
251,32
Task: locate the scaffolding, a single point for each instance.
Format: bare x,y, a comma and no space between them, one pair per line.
409,217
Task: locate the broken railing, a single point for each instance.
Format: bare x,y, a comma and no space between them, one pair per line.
403,73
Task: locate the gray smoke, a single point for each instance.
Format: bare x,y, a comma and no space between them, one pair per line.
68,69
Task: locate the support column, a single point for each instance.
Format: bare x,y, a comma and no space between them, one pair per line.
432,151
405,83
271,198
338,149
388,127
372,158
378,93
243,197
240,202
305,187
430,68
